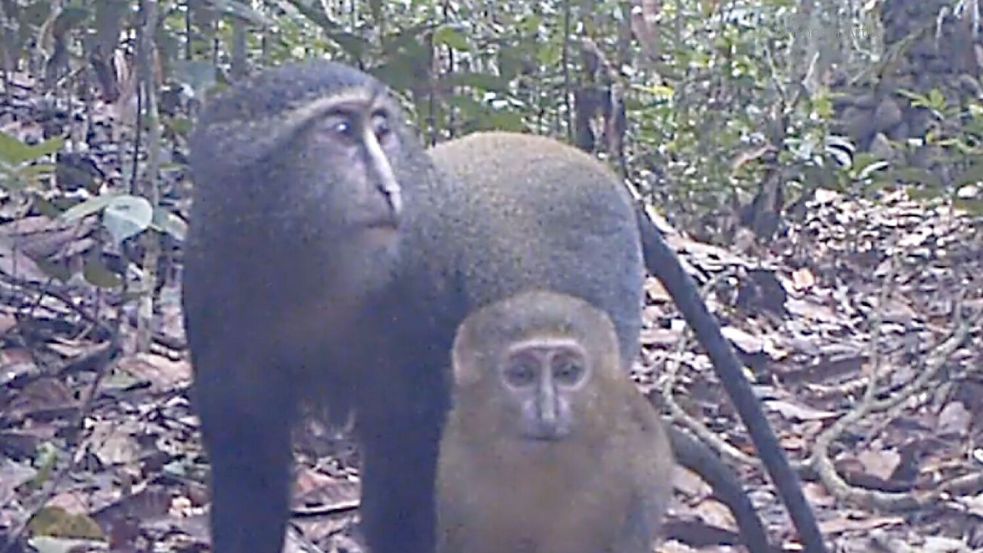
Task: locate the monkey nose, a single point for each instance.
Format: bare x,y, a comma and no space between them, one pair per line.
381,171
549,415
394,196
548,431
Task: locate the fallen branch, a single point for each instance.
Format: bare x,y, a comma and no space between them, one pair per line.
888,501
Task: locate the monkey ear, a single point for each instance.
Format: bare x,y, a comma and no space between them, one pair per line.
463,356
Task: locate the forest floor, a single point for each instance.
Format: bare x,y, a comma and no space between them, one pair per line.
860,327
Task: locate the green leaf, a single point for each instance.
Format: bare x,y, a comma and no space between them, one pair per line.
32,172
55,521
971,205
199,75
530,24
375,6
35,14
506,121
971,175
126,216
241,10
451,35
97,274
15,152
353,45
481,81
170,223
48,147
927,193
409,36
69,18
56,270
917,176
181,126
469,107
661,92
88,207
11,181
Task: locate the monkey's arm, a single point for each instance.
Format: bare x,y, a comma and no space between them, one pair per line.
653,469
662,262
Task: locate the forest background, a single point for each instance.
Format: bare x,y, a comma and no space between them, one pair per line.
816,164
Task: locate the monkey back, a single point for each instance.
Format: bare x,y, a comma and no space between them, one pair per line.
518,212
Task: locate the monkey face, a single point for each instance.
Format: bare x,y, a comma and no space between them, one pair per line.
316,151
542,379
346,158
535,366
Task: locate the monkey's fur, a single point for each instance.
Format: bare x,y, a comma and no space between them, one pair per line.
549,447
502,220
340,274
293,233
496,159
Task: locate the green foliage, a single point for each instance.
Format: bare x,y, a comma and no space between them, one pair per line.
123,215
56,521
21,165
736,88
721,97
957,134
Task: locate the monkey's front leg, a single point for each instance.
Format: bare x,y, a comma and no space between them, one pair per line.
400,433
246,430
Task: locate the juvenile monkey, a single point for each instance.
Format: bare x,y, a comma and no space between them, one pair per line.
510,213
549,447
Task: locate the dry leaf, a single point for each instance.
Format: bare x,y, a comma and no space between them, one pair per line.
881,463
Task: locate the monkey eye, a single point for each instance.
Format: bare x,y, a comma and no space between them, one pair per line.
339,125
568,371
520,373
381,125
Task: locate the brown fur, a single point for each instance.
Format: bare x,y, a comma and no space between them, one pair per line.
604,487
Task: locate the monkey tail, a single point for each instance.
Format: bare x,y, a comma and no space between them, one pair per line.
697,457
661,261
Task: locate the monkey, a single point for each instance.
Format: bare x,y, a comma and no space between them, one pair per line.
299,178
582,232
548,446
329,261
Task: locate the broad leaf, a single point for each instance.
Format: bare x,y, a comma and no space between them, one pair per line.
127,216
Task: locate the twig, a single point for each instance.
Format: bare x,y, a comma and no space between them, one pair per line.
887,501
163,340
680,416
102,367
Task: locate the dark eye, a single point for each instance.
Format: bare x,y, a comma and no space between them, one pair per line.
381,125
568,371
339,126
520,373
344,128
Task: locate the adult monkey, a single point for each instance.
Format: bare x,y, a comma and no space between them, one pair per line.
323,251
300,176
